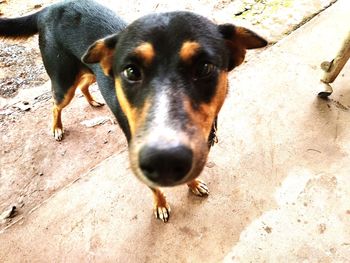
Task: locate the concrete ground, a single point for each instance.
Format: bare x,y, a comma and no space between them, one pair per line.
279,177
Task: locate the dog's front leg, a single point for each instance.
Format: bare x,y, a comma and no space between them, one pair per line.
160,205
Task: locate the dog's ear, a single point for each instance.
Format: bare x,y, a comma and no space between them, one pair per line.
238,40
102,51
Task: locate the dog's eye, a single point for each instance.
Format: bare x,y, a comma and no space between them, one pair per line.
132,73
204,70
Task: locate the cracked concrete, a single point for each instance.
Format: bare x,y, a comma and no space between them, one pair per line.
279,177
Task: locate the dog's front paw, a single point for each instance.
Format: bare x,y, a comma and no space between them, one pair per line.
161,207
198,187
58,133
162,212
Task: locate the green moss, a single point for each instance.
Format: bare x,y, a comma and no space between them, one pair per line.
288,3
269,7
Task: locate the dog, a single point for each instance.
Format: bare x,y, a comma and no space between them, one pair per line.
163,76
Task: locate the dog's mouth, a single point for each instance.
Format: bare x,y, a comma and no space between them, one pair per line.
167,159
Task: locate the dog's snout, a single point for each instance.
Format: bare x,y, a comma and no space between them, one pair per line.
165,166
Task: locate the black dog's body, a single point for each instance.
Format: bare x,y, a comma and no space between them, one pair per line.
164,77
66,30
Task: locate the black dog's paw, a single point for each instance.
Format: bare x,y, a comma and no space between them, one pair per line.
198,187
58,133
162,212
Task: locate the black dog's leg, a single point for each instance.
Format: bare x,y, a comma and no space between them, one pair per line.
58,105
86,79
198,187
161,207
65,73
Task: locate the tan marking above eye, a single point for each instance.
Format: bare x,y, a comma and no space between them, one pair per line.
146,52
188,50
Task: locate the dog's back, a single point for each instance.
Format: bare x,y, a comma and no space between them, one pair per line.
76,24
73,24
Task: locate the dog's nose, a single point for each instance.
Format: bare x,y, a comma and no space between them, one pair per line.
165,166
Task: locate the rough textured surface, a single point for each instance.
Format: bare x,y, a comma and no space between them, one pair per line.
273,18
279,178
307,145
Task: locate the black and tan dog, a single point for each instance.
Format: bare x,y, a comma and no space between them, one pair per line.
164,77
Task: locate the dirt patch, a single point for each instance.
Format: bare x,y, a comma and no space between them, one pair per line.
33,165
31,73
20,61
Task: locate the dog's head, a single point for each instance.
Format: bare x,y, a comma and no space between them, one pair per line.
170,73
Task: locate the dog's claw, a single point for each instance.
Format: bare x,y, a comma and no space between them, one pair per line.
199,188
95,103
162,213
58,134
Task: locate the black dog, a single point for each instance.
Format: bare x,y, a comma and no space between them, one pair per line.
164,77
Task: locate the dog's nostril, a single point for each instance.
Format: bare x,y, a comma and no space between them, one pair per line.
165,165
